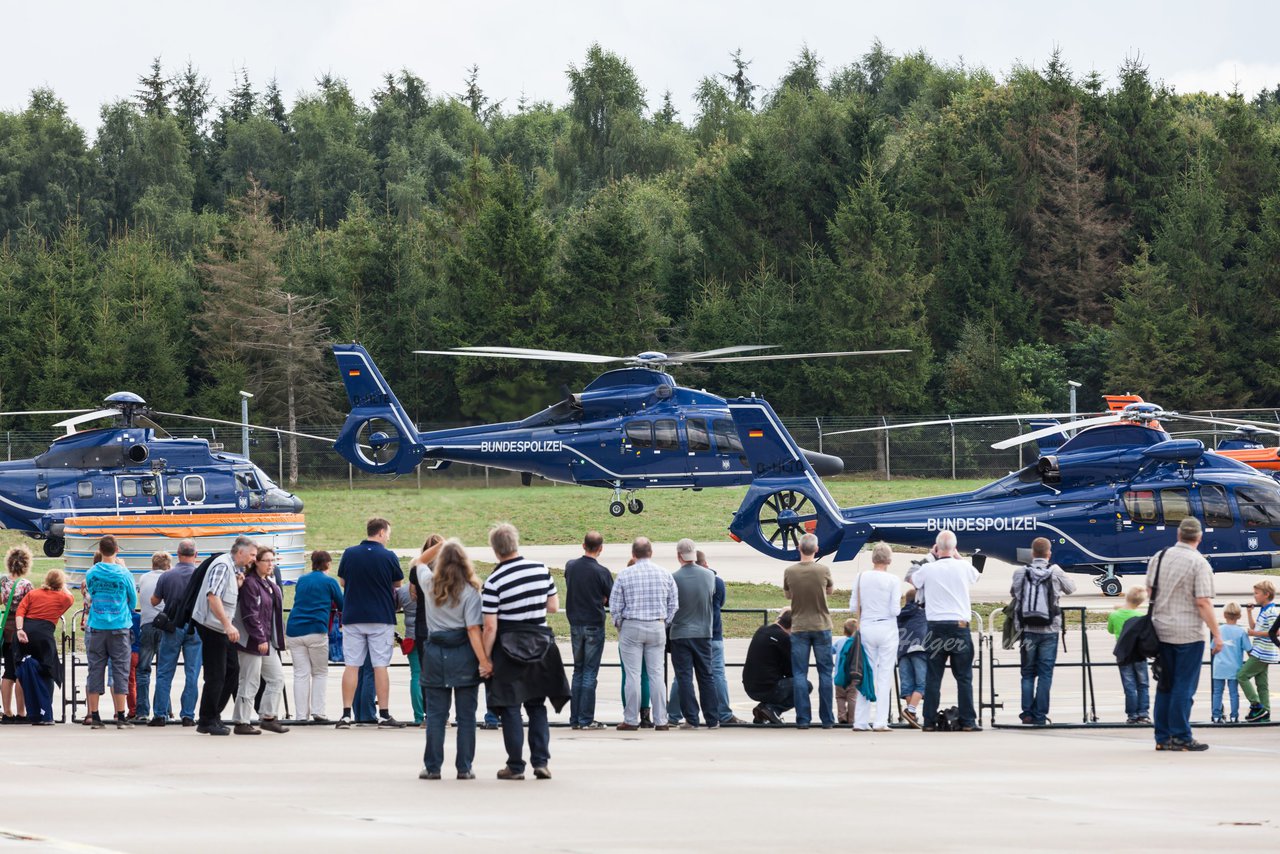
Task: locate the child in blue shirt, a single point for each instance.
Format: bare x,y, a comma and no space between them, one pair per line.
1235,646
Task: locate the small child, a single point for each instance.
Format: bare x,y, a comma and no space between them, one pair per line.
1134,676
913,663
844,695
1253,673
1226,664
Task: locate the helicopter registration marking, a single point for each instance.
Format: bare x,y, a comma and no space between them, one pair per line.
525,447
983,523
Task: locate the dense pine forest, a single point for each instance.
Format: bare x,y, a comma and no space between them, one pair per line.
1012,233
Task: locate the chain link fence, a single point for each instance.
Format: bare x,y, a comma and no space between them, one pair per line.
945,450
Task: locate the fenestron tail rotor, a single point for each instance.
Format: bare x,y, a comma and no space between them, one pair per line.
784,517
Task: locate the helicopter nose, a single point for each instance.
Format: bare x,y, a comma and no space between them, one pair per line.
283,502
824,465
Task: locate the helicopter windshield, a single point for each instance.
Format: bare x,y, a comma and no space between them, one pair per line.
1259,506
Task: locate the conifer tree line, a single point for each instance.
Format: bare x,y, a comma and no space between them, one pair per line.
1012,233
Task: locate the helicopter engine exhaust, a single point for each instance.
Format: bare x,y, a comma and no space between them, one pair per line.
137,453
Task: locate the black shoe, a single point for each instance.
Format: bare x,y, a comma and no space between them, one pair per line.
424,774
97,724
506,773
542,773
344,722
390,723
214,729
764,714
646,719
158,720
124,723
1186,745
1257,714
188,721
466,775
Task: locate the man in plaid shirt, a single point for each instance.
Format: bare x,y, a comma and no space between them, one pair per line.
643,601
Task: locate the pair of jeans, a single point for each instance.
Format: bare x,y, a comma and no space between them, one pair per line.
1231,687
365,703
949,641
820,644
1137,701
642,645
1039,655
1176,689
513,734
438,700
588,645
691,656
148,647
309,655
221,674
722,683
186,642
880,642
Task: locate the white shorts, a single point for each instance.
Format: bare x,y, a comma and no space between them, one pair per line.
375,639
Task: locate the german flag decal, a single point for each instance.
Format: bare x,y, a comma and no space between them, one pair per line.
354,372
755,434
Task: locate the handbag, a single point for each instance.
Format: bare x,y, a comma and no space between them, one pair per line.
1138,641
855,656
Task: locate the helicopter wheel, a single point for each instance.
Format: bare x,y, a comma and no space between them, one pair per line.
54,546
1111,586
635,505
617,509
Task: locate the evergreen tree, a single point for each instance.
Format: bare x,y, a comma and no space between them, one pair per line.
153,91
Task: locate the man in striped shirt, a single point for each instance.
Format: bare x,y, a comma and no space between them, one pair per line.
516,596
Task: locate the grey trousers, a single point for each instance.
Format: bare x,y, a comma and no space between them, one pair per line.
253,670
643,641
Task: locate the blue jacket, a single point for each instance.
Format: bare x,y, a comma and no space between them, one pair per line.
314,596
912,628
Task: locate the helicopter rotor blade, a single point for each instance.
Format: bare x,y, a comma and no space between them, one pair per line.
1260,426
239,424
709,355
972,420
144,421
46,412
522,353
87,416
1057,428
781,356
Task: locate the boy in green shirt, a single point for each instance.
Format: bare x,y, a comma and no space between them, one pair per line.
1132,676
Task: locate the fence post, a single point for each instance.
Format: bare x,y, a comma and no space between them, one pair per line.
818,421
953,449
486,477
351,480
280,454
888,475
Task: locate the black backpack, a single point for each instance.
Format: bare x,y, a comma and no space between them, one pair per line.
177,613
1138,641
948,720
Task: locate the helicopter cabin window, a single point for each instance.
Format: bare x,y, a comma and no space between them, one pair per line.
129,488
193,487
1176,504
665,435
84,489
698,438
1217,509
1141,505
1259,507
42,492
727,441
149,486
173,487
640,434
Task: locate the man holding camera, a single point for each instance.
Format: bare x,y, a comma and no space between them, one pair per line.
945,584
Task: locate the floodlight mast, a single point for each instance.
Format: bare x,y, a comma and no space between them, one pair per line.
244,420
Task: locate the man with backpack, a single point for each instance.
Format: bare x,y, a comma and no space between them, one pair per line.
1037,590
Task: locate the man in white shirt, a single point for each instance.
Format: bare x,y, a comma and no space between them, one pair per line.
945,584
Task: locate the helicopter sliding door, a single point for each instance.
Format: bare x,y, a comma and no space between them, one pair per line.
656,445
1259,523
137,493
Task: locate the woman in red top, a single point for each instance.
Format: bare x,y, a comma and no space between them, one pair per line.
37,617
13,587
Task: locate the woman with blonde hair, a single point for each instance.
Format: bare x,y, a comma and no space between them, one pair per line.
877,599
13,588
35,623
453,659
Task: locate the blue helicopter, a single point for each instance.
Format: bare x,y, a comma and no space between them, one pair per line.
1108,497
133,468
632,428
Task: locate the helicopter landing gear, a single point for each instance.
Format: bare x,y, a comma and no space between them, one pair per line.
1109,584
617,509
54,546
635,505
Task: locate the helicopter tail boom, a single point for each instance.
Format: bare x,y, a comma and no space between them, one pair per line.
378,435
787,499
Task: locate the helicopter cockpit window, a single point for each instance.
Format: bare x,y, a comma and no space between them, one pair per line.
129,488
173,487
193,487
84,489
1176,504
1217,509
1141,505
698,438
665,435
246,480
727,441
640,434
1259,507
149,486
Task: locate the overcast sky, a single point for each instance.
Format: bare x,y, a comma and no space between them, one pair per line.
93,52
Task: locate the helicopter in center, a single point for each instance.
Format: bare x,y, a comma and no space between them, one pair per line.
630,429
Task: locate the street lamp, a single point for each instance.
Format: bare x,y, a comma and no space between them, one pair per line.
1072,383
245,397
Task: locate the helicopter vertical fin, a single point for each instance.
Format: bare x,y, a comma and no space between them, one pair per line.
781,472
374,405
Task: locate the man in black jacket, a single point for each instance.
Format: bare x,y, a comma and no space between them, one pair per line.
587,586
766,674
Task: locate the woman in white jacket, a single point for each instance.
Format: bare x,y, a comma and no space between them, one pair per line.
877,599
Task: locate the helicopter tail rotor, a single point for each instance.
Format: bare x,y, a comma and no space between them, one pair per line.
787,499
378,435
